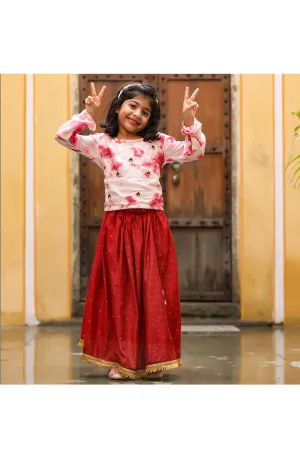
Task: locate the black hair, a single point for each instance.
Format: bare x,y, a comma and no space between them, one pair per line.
111,124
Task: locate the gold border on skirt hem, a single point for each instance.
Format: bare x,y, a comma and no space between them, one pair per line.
133,374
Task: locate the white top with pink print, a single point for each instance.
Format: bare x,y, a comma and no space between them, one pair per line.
132,168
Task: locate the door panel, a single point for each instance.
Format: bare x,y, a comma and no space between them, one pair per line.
198,207
199,194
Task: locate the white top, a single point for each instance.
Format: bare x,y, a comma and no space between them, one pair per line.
132,168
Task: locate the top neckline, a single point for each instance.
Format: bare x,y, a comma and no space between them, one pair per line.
128,141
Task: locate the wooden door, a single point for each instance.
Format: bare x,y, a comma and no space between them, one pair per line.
198,207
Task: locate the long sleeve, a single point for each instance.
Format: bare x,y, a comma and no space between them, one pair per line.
191,149
68,136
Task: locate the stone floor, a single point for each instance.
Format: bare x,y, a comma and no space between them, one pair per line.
210,354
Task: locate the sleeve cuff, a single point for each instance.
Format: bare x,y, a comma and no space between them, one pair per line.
189,131
88,119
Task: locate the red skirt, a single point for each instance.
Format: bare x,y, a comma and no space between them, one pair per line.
132,317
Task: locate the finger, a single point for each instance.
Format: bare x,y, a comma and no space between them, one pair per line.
89,100
101,93
194,94
192,105
187,93
93,90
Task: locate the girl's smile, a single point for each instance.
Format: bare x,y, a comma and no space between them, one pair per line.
133,116
133,122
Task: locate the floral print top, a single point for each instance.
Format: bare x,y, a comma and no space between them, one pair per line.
132,168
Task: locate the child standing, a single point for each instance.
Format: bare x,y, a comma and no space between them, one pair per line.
132,320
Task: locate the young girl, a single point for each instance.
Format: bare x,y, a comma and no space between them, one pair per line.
132,319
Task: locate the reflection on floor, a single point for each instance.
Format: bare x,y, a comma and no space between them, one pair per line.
211,355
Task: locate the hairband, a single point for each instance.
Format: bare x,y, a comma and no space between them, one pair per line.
125,87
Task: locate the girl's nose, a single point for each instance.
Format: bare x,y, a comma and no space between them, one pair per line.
137,113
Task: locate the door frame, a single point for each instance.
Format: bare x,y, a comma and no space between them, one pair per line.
201,309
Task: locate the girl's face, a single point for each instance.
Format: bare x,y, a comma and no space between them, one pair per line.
134,114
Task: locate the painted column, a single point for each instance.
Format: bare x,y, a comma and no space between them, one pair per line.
257,234
278,309
52,187
291,103
13,147
30,317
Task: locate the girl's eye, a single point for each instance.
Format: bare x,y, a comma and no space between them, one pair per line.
132,106
146,113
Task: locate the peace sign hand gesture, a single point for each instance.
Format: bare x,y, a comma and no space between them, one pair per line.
190,107
93,102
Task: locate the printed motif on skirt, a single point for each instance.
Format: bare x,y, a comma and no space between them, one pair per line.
132,317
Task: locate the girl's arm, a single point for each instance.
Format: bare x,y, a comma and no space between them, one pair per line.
194,145
191,149
68,136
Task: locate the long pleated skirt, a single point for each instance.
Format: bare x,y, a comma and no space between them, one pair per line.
132,318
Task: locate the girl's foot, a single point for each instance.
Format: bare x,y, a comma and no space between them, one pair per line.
115,375
155,376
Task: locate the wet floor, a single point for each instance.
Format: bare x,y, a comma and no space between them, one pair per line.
211,355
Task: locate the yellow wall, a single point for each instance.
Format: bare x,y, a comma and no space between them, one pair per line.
257,236
12,199
52,199
291,103
53,276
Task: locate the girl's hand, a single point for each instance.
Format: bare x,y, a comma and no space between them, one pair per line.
93,102
190,107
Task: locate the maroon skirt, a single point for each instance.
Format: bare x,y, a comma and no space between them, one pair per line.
132,317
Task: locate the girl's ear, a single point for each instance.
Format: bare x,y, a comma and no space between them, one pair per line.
117,110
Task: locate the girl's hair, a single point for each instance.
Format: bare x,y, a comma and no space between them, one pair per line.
111,124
